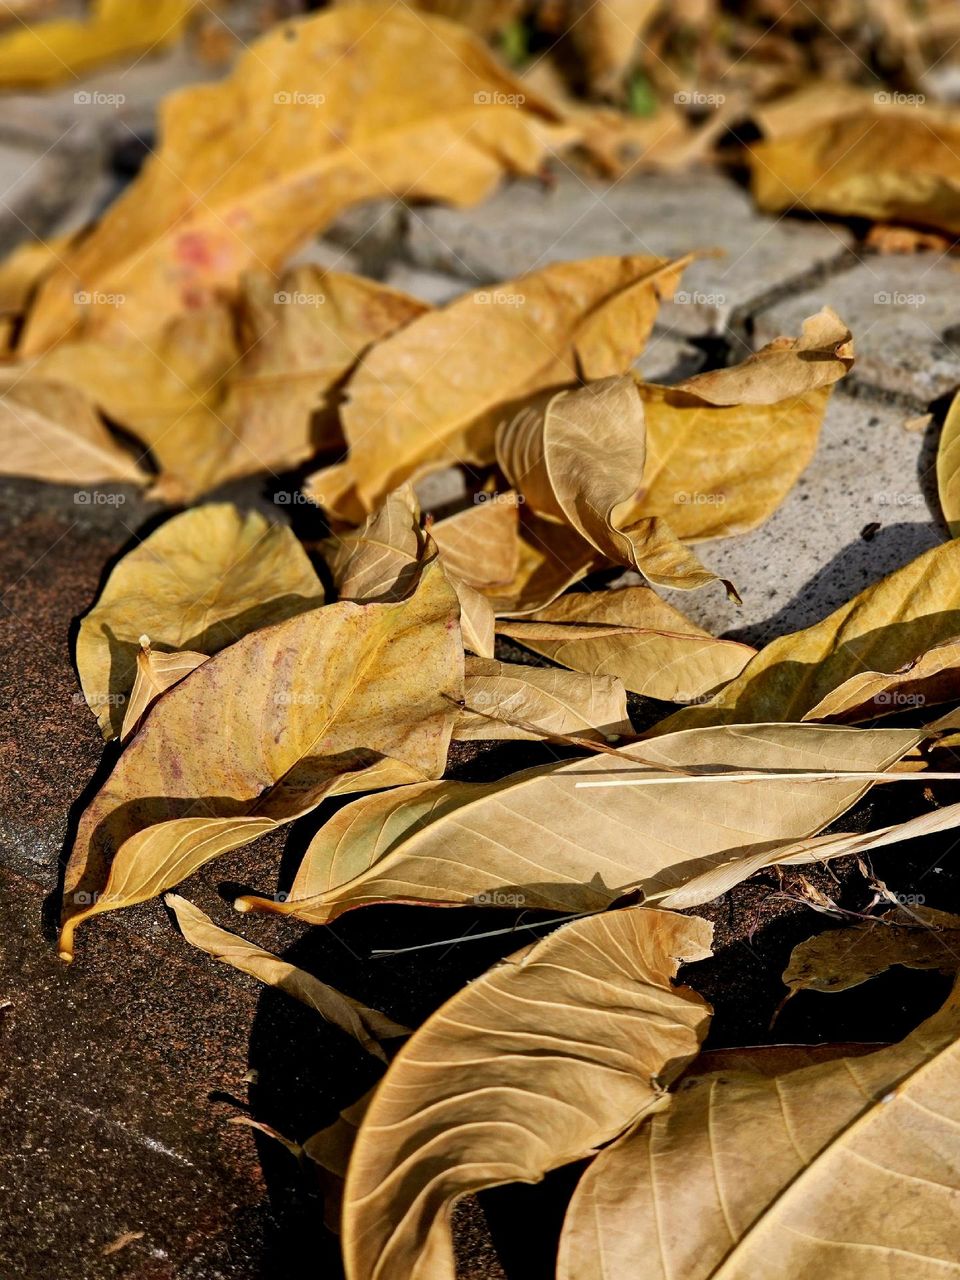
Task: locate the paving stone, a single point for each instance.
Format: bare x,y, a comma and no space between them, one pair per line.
527,225
39,185
373,232
811,556
327,255
905,319
667,358
110,96
429,286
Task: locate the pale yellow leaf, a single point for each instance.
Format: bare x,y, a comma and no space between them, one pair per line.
633,634
846,1169
436,391
506,700
46,52
885,628
538,840
364,1024
724,448
317,115
581,461
544,1058
155,674
199,582
51,432
341,698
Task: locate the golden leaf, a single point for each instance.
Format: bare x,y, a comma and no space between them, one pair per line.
199,582
576,1033
542,840
317,115
818,1171
633,634
341,698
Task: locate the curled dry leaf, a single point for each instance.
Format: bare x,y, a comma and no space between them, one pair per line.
377,561
216,395
633,634
799,672
869,695
859,1165
547,1056
717,880
725,448
948,468
52,432
365,1025
545,842
155,674
294,135
435,392
199,582
580,461
338,699
551,557
506,700
916,937
871,159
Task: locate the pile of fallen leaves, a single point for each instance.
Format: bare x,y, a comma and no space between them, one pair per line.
249,676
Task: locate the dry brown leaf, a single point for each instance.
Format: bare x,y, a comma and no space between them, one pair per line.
829,1170
538,1062
341,698
551,557
886,627
480,545
216,396
725,448
633,634
23,269
538,840
330,1150
916,937
367,1026
155,674
435,392
506,700
887,157
199,582
51,432
476,619
948,468
317,115
378,560
605,36
581,461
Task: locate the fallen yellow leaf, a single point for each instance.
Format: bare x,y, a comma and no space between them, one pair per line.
199,582
341,698
577,1034
319,114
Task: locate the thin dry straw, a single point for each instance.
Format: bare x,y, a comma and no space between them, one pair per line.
799,775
